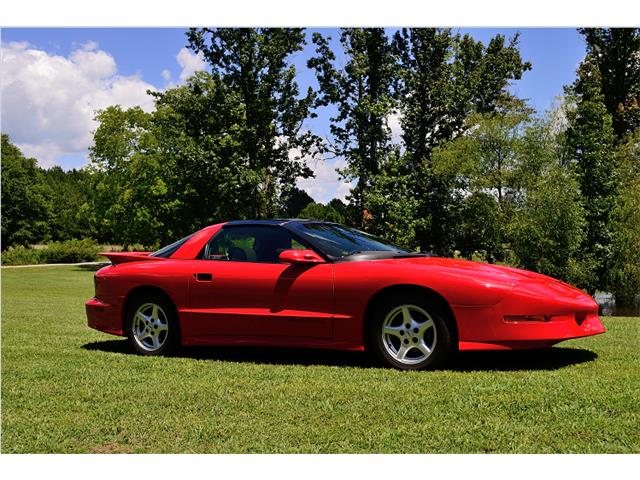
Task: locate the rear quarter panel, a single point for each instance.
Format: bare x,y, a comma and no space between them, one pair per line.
115,283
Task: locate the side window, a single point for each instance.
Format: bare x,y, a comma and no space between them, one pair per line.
296,245
250,244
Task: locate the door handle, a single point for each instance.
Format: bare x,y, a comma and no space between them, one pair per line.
203,277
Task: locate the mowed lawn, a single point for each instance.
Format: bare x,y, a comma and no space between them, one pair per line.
67,388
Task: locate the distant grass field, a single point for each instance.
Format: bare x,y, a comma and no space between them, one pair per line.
66,388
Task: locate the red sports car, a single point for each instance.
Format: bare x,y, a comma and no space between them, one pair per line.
324,285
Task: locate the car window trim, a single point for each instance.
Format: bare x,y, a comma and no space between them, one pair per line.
300,239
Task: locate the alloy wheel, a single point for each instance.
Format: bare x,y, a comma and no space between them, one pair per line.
409,334
150,327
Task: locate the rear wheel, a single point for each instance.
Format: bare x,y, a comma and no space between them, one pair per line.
408,333
152,327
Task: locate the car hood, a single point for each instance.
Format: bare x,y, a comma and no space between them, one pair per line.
463,282
476,270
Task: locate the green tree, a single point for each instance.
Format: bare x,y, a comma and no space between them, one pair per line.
363,95
624,274
253,64
318,211
130,191
293,201
518,199
590,144
616,53
547,226
391,204
344,210
25,207
443,79
71,196
480,169
167,173
200,138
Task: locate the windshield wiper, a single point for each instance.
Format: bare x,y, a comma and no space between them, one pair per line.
414,254
389,252
355,252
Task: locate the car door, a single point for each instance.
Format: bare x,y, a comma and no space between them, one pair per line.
241,288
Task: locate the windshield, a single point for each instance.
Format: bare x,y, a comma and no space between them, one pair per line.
166,252
338,241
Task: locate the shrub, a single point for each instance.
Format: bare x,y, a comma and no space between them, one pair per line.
21,256
69,251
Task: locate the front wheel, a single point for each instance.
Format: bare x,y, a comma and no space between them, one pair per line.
152,327
409,334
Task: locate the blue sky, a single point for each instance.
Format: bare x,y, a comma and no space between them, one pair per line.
118,65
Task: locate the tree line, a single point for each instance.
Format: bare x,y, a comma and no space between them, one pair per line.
475,172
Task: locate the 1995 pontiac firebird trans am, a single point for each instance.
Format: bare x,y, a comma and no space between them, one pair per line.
317,284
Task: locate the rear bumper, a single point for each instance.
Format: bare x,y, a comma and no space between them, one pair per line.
104,317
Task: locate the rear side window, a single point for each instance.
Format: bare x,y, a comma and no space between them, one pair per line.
166,252
261,244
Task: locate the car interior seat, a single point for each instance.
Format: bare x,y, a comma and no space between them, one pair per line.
238,254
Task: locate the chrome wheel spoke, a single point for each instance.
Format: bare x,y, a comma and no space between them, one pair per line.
395,331
142,334
423,327
422,346
402,352
406,315
162,328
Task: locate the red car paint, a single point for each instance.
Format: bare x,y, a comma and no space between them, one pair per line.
323,304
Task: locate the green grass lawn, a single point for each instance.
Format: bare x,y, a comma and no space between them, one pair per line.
67,388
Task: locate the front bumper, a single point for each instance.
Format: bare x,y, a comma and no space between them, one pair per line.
570,313
104,316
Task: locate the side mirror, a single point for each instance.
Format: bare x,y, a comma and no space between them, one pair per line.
300,256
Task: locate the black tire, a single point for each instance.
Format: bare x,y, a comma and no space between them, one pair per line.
437,333
167,340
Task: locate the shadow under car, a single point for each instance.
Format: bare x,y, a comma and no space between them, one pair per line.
511,360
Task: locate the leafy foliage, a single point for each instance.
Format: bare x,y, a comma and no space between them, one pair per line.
69,251
444,78
293,201
252,65
362,93
71,196
391,204
517,200
318,211
614,51
590,144
624,274
25,209
131,191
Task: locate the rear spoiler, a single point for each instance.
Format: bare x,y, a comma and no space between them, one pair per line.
125,257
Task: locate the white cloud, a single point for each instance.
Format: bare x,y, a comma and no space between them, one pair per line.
49,101
327,184
190,63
